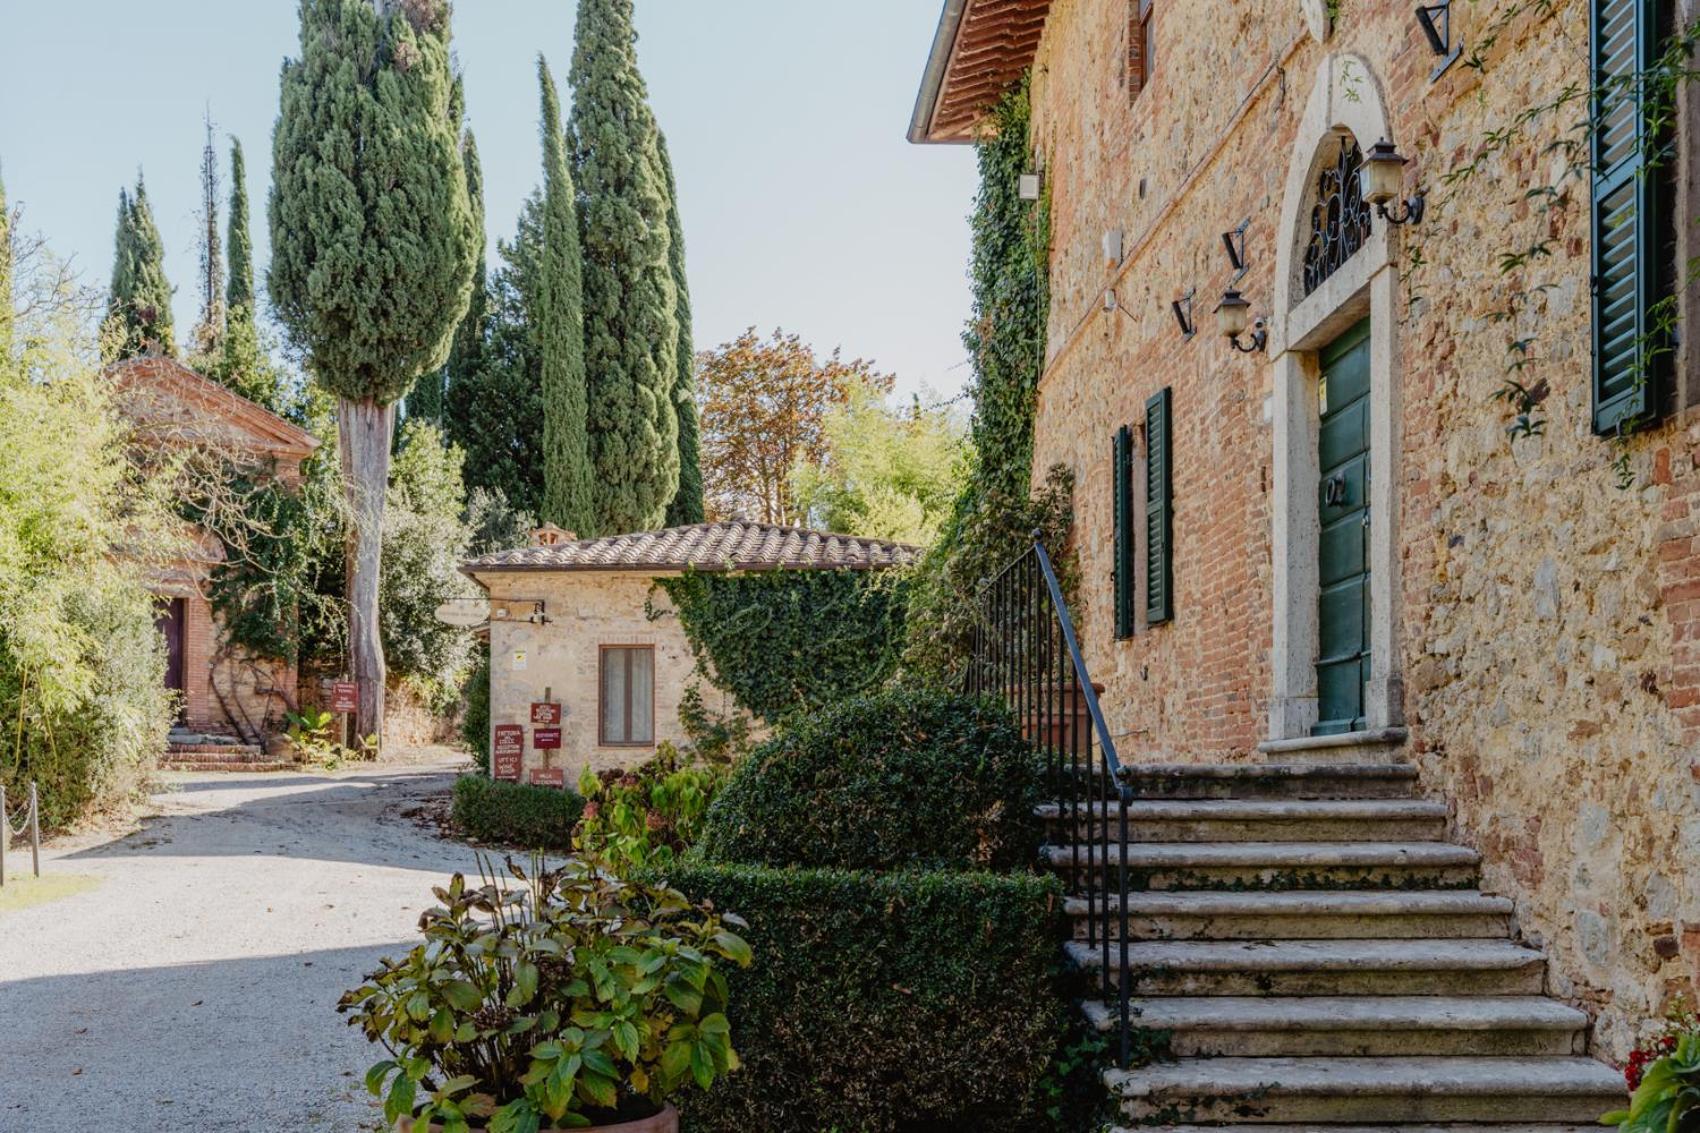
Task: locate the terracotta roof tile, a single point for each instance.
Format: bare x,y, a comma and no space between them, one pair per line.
732,545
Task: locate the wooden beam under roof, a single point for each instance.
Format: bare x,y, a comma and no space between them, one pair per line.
980,50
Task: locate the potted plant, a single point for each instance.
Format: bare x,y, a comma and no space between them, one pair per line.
1663,1076
574,998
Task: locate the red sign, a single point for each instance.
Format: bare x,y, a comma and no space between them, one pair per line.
507,752
345,696
549,777
544,739
545,712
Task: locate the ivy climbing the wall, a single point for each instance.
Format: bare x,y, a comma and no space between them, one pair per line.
996,513
784,640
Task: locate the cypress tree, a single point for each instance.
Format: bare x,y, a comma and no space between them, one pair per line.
558,322
208,336
6,309
138,309
687,505
427,400
373,246
630,339
242,365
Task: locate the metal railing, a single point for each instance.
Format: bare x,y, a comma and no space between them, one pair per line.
1026,651
29,821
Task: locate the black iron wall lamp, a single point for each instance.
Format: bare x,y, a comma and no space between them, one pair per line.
1436,21
1381,178
1234,241
1182,308
1233,314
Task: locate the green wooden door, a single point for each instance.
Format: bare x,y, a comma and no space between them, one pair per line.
1342,664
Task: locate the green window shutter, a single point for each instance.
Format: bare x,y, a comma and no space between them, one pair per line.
1159,501
1631,230
1122,489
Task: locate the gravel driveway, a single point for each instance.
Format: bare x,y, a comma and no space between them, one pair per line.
194,988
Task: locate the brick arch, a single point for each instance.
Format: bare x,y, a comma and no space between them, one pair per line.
1347,98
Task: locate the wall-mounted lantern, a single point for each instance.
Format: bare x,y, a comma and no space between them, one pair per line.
1381,178
1233,314
1234,241
1182,308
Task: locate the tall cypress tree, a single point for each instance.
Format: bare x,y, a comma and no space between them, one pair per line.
208,336
631,342
428,399
242,364
6,309
687,505
138,309
373,246
558,322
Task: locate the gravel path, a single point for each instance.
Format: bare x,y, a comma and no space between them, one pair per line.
194,988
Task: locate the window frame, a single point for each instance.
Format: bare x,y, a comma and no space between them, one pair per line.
1159,509
1141,47
602,652
1123,544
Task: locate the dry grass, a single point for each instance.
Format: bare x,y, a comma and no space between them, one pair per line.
25,889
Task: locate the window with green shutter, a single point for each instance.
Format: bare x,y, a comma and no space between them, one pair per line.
1121,466
1633,233
1159,499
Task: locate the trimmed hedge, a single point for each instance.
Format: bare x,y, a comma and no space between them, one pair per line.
515,814
883,1003
896,780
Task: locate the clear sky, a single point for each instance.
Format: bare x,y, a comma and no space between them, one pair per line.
803,205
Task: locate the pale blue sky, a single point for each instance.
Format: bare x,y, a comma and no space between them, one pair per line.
804,206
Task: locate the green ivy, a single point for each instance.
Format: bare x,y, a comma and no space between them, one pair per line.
779,641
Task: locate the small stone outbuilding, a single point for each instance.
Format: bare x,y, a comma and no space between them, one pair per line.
580,624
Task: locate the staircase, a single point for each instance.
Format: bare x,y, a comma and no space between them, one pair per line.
190,750
1307,952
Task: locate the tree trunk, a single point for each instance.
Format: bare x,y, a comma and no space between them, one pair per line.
364,429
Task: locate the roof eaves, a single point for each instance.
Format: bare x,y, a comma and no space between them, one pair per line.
932,79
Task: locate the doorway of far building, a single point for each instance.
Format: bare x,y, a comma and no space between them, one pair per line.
171,621
1343,503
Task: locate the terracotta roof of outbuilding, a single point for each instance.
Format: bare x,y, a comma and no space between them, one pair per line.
729,546
979,52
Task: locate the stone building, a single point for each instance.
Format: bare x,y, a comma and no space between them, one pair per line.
231,702
580,624
1364,558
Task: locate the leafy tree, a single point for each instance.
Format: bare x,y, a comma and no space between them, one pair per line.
558,322
630,336
687,505
887,474
466,355
138,311
373,247
207,338
6,256
495,412
494,524
764,409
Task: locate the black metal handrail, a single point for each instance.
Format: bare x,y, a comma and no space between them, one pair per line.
1026,650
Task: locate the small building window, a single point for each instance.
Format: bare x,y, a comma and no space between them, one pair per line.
1141,46
628,695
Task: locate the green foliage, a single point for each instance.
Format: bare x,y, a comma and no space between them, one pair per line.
312,735
495,412
243,362
887,475
138,306
648,815
572,998
1667,1097
425,540
993,517
687,505
82,668
780,640
475,708
882,1003
239,290
516,814
558,323
493,524
466,353
373,236
630,334
6,300
904,778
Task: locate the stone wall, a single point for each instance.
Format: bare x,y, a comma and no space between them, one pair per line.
587,610
1548,622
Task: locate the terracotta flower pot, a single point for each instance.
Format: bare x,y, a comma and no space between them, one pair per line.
667,1121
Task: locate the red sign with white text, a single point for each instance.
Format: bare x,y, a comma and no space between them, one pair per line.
345,697
545,712
507,752
545,739
549,777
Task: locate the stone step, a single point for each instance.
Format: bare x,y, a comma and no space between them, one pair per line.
1377,745
1366,1090
1321,967
1305,915
1360,1026
1495,1127
1278,865
1270,780
249,765
1259,820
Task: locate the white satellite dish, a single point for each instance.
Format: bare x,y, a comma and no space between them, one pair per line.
464,612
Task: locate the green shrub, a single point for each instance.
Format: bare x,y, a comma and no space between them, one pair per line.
883,1002
475,718
514,814
899,779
